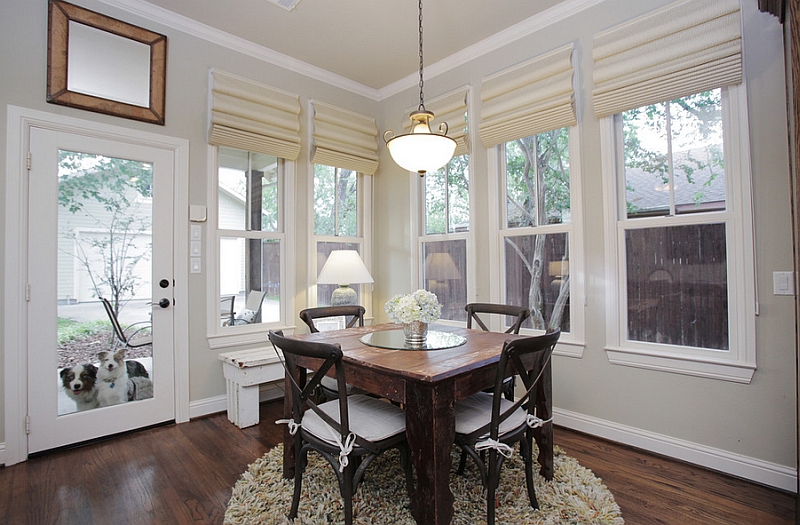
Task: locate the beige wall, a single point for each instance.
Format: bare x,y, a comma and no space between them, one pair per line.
756,420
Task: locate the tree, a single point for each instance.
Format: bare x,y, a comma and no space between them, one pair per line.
335,201
107,191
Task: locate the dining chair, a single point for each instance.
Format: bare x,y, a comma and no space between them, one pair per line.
488,425
350,315
349,432
475,311
134,335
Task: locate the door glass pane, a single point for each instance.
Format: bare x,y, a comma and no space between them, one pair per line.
677,285
104,252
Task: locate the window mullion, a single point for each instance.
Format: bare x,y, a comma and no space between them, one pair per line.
670,165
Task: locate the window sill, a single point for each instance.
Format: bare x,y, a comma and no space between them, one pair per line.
682,364
244,337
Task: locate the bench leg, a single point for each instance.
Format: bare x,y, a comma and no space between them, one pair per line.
242,404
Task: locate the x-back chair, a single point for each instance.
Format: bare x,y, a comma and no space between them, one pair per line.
349,431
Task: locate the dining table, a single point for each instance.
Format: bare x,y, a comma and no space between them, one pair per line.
426,380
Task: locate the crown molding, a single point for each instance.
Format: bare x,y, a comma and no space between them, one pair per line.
186,25
191,27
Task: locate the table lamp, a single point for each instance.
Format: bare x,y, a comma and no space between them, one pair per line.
344,267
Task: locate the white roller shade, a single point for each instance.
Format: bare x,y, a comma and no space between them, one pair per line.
530,98
450,108
685,48
254,117
344,139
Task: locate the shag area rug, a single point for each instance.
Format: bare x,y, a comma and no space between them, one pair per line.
574,497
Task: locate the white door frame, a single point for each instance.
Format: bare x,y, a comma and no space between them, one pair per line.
19,122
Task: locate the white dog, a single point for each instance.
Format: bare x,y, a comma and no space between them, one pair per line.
112,378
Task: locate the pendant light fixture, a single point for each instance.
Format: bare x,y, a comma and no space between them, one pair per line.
421,150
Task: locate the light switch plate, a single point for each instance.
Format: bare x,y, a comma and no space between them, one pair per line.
783,283
196,232
195,265
196,248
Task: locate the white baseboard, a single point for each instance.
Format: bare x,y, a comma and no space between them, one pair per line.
213,405
756,470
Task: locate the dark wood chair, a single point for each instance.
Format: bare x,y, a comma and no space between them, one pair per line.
488,425
352,315
349,432
518,313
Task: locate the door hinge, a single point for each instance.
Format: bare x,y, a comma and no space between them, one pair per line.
28,161
28,292
27,424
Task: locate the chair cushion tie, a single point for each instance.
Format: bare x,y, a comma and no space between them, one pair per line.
293,426
534,421
502,448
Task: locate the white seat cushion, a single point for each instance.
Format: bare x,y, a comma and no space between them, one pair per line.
332,385
476,411
370,418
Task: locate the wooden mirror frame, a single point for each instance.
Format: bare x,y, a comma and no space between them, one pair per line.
60,15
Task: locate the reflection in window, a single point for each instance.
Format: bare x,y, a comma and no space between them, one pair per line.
445,223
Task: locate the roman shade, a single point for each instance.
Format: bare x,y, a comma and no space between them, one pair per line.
450,108
685,48
254,117
529,98
344,139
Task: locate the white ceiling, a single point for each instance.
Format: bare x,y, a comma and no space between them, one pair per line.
370,42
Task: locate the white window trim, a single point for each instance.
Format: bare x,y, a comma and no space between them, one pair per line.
365,199
738,364
572,343
236,336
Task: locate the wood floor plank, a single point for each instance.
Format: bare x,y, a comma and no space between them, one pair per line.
183,474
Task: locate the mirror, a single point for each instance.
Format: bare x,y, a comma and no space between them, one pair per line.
101,64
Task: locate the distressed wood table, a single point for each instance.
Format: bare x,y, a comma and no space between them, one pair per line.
427,383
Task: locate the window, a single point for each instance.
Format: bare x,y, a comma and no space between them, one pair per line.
682,261
537,230
445,233
338,213
251,236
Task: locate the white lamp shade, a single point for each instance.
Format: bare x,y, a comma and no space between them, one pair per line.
439,266
421,152
344,267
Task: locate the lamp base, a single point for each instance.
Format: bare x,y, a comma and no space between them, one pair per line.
344,295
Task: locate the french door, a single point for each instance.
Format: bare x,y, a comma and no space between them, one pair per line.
100,215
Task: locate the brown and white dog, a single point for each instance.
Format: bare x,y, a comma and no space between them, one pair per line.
79,382
113,378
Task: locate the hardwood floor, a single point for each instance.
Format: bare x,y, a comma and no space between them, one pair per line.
183,474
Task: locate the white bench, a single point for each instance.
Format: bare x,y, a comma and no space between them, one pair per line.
244,371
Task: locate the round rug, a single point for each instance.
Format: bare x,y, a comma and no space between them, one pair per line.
575,496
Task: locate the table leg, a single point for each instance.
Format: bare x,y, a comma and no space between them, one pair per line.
544,434
430,427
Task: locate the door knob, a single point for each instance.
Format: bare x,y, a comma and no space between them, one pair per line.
163,303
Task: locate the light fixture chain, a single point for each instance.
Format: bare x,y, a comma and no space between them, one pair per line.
421,82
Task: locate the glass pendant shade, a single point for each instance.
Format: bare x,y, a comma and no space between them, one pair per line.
422,150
